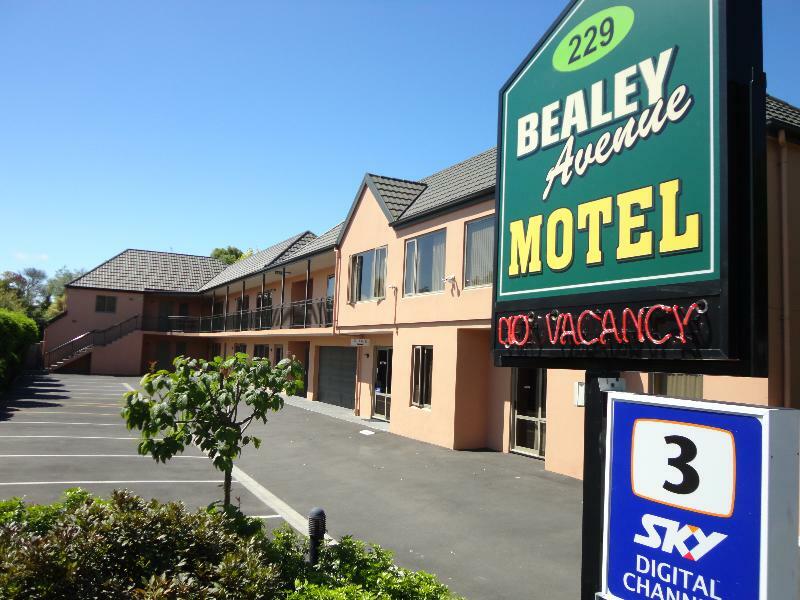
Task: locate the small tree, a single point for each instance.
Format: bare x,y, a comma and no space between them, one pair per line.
210,404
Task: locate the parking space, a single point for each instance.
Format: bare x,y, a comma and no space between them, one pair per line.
62,431
489,525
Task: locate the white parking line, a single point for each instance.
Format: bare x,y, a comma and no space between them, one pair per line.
266,517
114,481
290,515
57,423
68,437
92,456
28,411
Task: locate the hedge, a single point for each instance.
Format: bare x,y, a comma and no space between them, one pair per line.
129,548
17,333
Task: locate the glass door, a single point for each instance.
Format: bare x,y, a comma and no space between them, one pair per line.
382,404
529,435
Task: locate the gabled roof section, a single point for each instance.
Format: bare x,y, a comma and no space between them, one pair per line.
782,114
256,262
147,270
467,179
322,243
392,195
397,194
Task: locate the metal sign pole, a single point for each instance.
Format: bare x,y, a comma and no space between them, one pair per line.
597,383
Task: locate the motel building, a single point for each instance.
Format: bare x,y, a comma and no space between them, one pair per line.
390,312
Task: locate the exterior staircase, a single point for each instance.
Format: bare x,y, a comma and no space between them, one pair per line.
85,343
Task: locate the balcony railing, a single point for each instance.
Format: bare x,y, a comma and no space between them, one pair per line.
295,315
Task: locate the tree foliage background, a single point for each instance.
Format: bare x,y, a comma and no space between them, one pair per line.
230,254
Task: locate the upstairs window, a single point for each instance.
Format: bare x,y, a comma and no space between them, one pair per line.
330,287
424,271
422,375
368,275
479,253
105,304
264,300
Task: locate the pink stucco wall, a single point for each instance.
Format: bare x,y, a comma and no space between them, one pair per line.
81,316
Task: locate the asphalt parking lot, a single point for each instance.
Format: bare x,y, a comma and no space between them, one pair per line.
491,526
62,431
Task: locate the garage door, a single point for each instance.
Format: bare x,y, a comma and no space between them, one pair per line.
337,376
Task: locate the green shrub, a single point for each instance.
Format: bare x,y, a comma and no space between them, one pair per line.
17,333
129,548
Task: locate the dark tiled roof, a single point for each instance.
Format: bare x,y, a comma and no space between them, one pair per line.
255,263
326,241
298,248
140,270
465,179
782,113
397,194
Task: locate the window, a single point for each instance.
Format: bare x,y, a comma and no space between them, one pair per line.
183,309
278,354
105,304
330,288
677,385
260,351
479,253
425,264
216,350
237,348
368,275
180,348
421,370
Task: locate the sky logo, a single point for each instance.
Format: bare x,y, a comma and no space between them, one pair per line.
676,537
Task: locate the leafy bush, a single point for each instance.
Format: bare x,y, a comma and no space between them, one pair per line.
17,332
126,547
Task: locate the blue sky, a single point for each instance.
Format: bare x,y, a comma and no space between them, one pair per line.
187,125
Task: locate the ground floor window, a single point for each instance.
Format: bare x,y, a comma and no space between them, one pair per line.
260,351
422,372
216,350
180,348
240,348
529,435
677,385
278,354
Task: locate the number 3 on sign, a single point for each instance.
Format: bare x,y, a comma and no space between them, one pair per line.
684,465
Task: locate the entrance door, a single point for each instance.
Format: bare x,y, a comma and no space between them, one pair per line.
164,312
529,435
337,376
382,403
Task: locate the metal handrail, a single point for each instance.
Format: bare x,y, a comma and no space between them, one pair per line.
298,314
95,337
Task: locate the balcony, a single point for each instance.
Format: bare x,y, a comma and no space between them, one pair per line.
302,314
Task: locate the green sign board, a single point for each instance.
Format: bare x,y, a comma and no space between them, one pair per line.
611,153
614,179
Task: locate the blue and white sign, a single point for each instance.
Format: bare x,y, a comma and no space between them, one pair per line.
701,501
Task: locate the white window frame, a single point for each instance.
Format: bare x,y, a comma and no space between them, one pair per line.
351,283
416,264
468,286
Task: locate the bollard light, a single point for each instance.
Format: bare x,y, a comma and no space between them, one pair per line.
316,533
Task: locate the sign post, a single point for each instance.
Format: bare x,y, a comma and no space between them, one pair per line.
631,204
704,501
